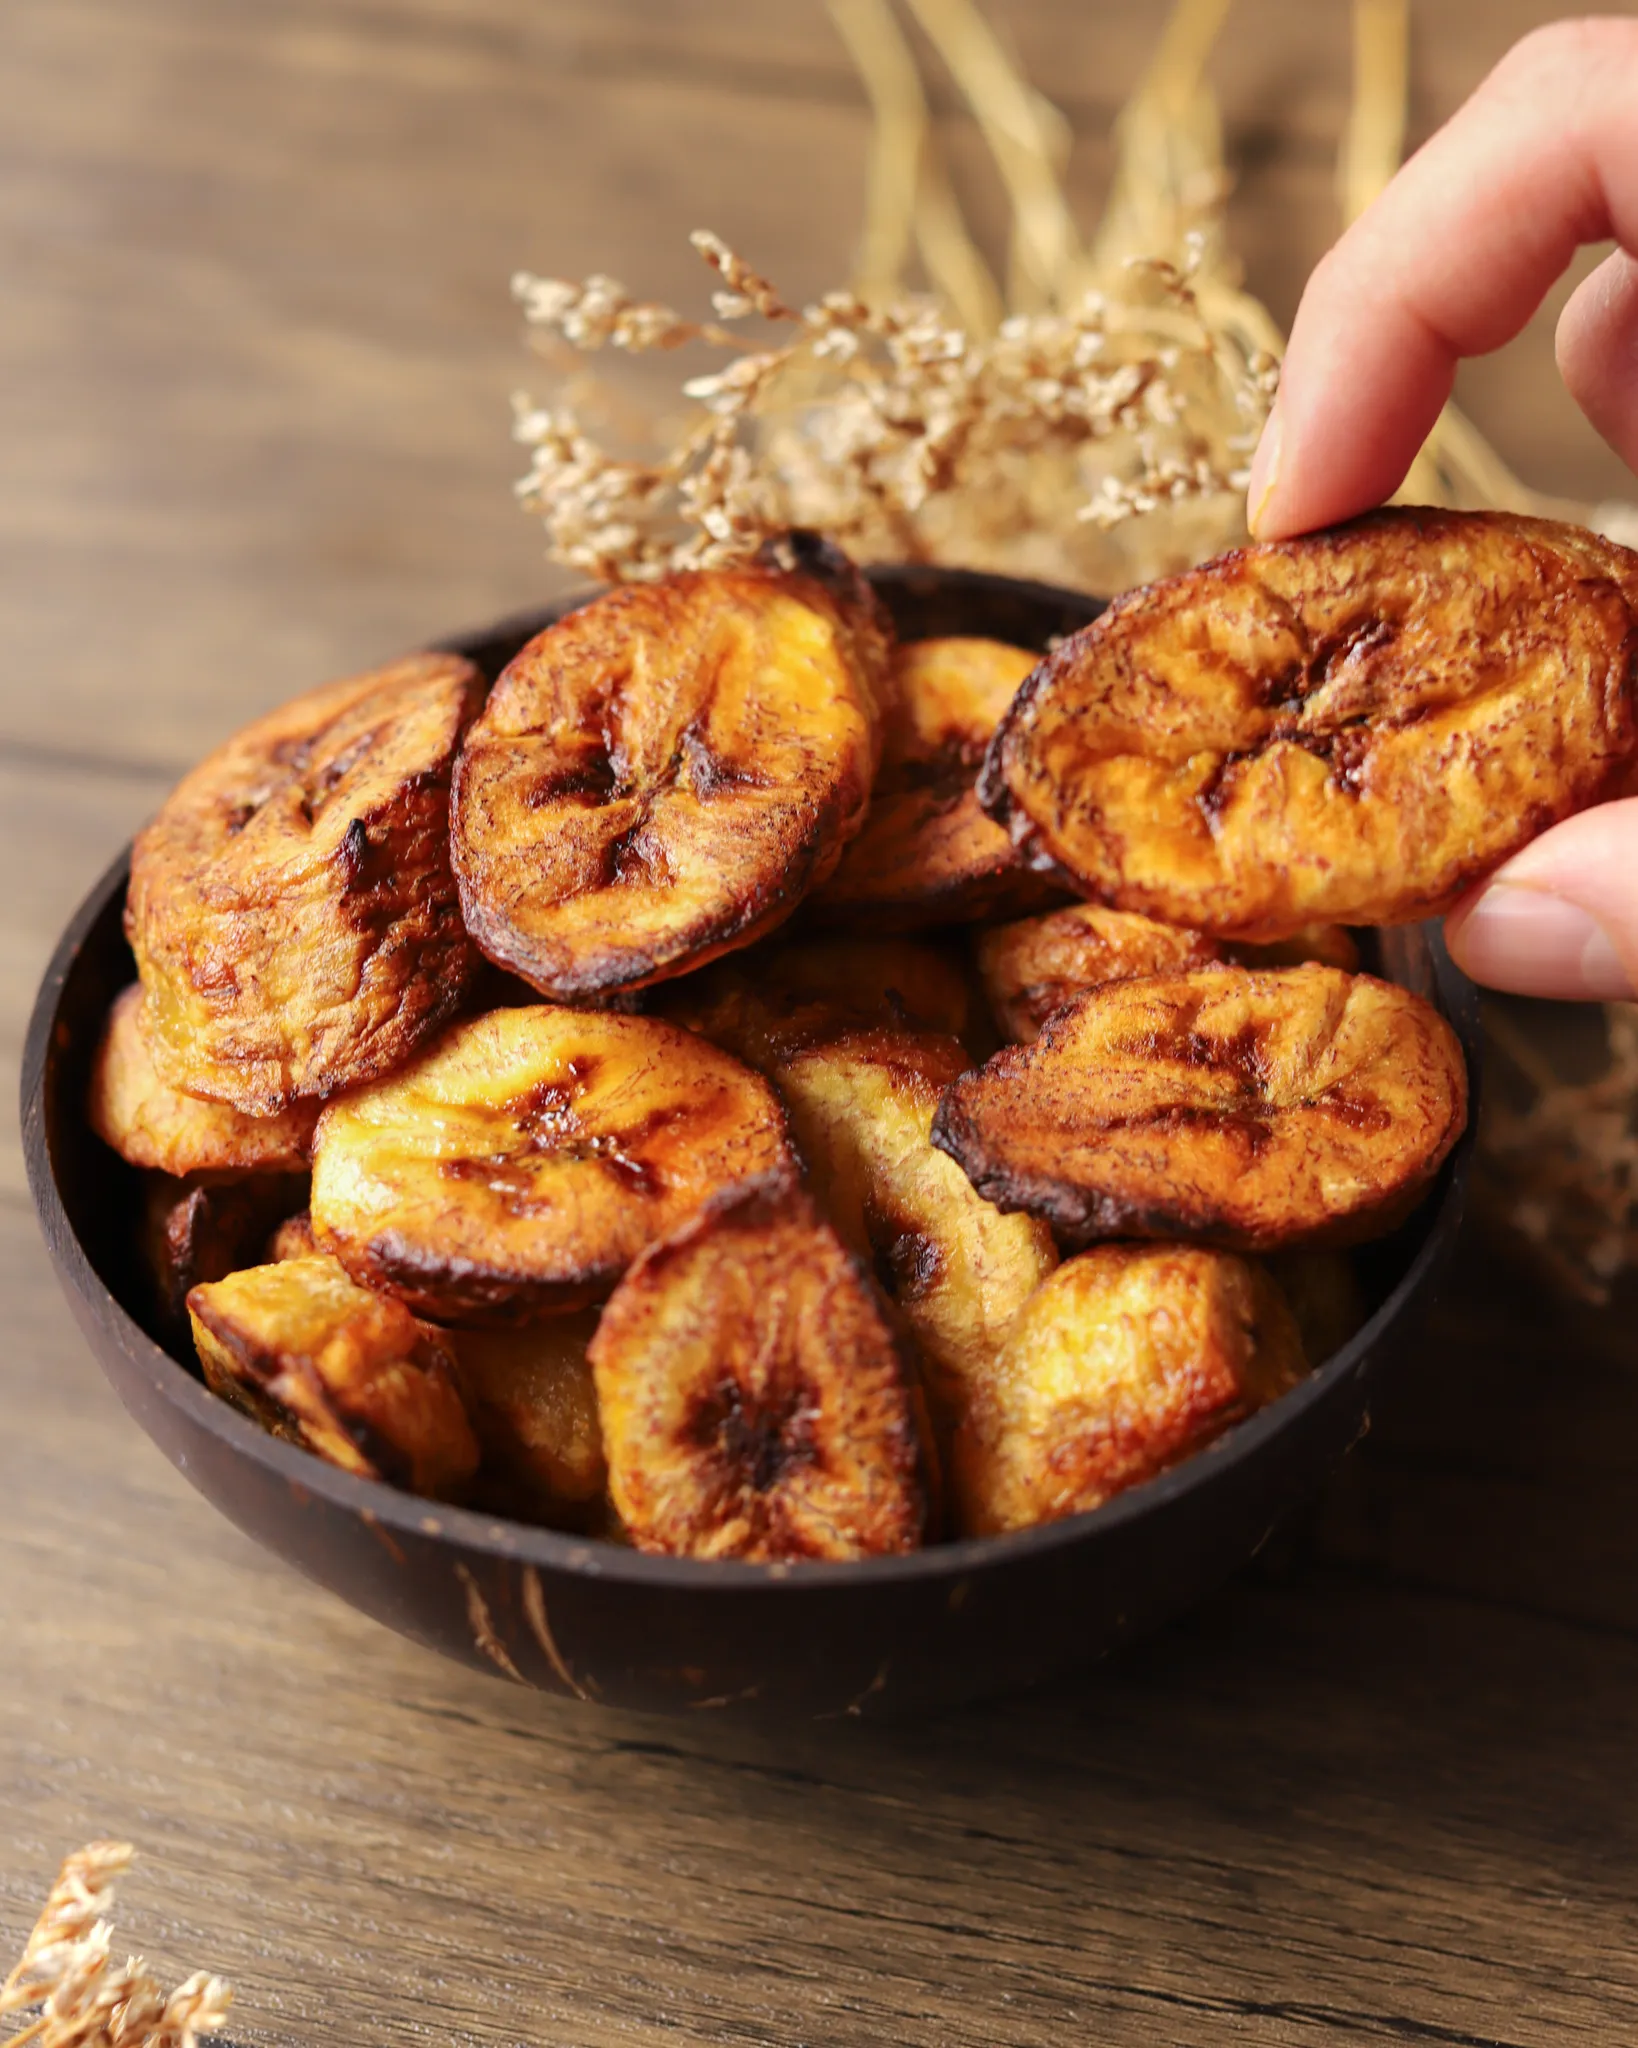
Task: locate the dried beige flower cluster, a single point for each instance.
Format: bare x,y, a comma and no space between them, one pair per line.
897,433
84,2000
1562,1170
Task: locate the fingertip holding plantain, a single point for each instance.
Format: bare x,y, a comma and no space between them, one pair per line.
1559,919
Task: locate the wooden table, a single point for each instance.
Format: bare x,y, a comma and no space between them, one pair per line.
255,350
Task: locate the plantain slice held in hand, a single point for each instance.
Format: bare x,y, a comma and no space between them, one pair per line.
1244,1108
344,1372
292,908
1033,967
1130,1359
664,774
755,1400
861,1106
928,855
1355,725
151,1124
520,1165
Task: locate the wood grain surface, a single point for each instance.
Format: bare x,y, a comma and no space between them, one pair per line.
255,352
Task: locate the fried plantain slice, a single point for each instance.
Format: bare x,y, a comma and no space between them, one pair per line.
534,1406
1033,967
1324,1296
861,1108
794,992
292,909
204,1227
1355,725
293,1239
928,855
152,1124
1129,1359
661,776
1239,1107
755,1400
520,1165
344,1372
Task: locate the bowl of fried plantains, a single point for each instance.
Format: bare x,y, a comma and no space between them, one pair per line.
810,1142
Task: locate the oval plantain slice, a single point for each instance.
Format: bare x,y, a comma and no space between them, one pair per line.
662,775
152,1124
928,855
1129,1359
861,1108
793,992
1355,725
1033,967
534,1405
755,1401
522,1164
344,1372
1244,1108
292,909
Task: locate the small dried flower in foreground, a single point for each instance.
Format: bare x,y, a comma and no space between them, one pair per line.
83,2000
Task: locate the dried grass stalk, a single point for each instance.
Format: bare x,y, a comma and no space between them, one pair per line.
82,1999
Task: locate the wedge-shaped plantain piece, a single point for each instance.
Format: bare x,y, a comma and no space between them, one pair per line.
1033,967
292,907
1244,1108
861,1108
1130,1359
663,775
522,1164
344,1372
152,1124
778,997
204,1227
928,855
755,1400
1356,725
534,1406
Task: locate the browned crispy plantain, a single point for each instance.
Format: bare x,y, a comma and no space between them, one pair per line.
292,908
521,1164
293,1239
662,775
534,1406
152,1124
1354,725
342,1371
755,1401
793,992
1033,967
1239,1107
205,1227
928,855
1128,1360
861,1108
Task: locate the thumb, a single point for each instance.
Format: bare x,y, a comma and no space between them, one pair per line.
1561,917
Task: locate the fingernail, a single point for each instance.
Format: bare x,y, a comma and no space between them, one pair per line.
1531,943
1265,472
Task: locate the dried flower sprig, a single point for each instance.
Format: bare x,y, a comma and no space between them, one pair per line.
871,413
85,2001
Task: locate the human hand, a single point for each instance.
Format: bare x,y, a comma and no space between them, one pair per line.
1451,261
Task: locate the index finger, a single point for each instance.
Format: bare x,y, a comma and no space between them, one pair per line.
1450,261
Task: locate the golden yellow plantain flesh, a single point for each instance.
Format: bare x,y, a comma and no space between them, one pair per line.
662,775
1033,967
521,1164
292,907
1129,1359
928,855
534,1406
344,1372
1356,725
151,1124
1249,1109
861,1108
755,1400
